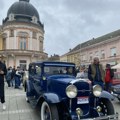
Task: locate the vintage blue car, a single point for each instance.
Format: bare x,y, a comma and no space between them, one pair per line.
53,88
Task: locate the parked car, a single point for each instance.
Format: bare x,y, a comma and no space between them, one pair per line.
116,85
116,78
53,88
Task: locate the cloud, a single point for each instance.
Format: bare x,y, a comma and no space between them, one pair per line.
1,4
68,23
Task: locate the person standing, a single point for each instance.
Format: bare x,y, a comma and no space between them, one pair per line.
96,73
18,78
109,74
3,72
82,73
8,76
13,76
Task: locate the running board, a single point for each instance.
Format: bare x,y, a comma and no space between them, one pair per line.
32,101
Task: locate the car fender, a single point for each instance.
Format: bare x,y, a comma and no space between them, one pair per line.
107,95
50,98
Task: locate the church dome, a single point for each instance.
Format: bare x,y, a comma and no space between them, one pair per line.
23,9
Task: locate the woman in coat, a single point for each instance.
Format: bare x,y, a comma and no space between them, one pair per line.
3,72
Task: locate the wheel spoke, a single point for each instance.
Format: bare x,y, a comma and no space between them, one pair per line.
104,108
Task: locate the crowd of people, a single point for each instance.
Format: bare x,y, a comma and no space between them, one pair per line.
97,74
14,77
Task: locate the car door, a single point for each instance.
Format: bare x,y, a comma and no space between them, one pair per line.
37,78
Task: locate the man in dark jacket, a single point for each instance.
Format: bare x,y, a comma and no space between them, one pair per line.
96,73
3,72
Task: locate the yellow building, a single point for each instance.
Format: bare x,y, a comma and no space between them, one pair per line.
71,56
74,56
63,58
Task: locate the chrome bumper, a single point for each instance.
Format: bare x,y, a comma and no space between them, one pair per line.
109,117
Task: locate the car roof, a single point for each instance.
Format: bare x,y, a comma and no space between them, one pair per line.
56,63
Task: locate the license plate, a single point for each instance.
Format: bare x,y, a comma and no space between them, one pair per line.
82,100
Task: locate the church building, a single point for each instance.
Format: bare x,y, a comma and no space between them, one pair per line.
22,35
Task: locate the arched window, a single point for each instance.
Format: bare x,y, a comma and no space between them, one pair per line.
22,43
23,37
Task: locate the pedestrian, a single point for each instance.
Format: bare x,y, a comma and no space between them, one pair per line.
18,78
82,73
96,73
8,76
109,74
25,78
22,75
13,76
3,72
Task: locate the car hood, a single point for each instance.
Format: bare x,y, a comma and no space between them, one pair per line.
58,84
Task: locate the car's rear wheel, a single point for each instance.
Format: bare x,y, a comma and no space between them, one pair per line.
107,107
49,112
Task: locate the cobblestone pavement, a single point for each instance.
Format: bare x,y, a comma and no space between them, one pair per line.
19,109
116,104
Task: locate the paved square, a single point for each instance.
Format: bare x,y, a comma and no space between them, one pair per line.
17,107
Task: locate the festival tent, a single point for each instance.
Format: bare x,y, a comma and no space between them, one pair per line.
116,66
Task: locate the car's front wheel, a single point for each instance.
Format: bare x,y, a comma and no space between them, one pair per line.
49,111
107,107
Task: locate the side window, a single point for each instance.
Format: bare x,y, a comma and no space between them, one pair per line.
46,69
37,70
70,70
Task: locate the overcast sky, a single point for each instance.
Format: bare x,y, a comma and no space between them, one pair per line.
68,23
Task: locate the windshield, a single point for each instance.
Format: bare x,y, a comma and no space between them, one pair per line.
53,70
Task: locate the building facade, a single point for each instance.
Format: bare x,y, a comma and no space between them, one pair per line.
105,47
54,57
22,35
63,58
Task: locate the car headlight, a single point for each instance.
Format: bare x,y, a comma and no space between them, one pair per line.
97,90
71,91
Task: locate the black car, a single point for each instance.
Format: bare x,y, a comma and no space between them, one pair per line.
53,88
